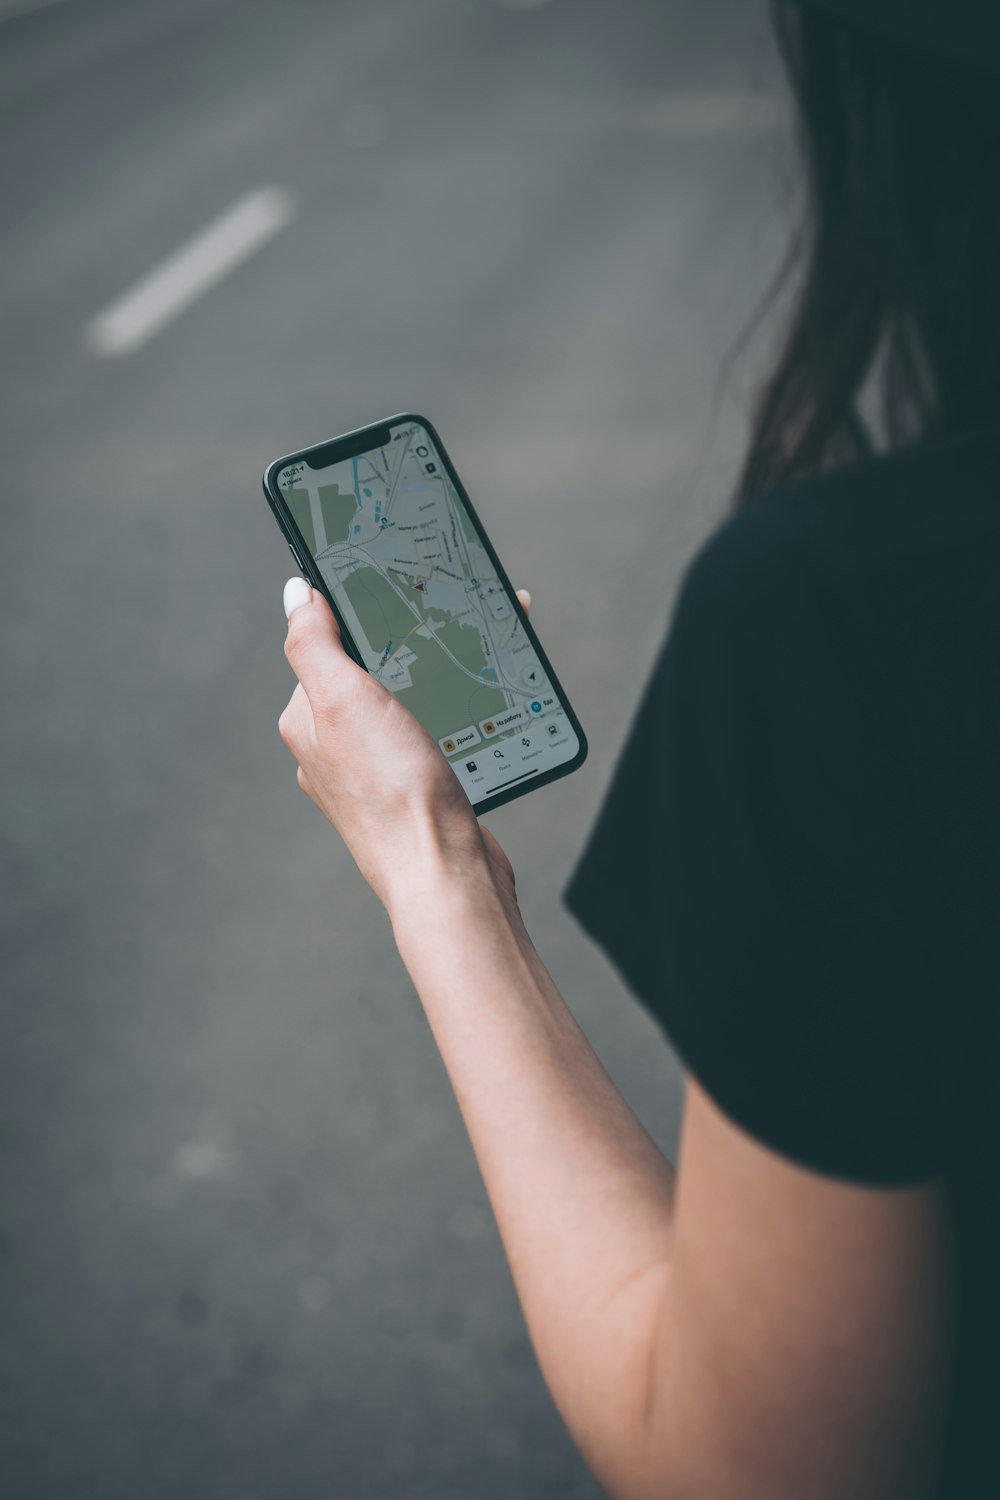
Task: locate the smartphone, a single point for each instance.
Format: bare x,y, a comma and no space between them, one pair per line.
380,522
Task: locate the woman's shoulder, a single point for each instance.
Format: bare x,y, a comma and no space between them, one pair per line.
795,550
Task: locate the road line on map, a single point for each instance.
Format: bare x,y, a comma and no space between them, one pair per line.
192,270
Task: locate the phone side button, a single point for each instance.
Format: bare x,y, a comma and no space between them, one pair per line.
298,560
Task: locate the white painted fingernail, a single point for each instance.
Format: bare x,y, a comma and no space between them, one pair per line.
297,592
525,597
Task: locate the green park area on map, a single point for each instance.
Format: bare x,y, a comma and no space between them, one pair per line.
442,697
336,507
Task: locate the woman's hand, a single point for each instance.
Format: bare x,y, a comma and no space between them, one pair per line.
373,770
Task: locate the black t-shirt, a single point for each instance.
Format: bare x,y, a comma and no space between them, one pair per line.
797,864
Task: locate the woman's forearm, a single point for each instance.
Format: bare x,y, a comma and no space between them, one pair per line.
582,1195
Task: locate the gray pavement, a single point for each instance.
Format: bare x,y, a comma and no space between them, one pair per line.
244,1249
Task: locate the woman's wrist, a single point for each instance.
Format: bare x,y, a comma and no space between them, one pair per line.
432,854
454,890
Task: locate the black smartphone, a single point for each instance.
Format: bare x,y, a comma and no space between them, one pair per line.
380,522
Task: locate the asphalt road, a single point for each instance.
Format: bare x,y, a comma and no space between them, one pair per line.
244,1249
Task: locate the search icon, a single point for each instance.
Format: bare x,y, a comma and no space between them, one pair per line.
499,754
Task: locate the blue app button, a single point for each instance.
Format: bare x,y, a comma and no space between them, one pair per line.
536,707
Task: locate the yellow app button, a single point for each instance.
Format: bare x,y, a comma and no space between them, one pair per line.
509,719
460,739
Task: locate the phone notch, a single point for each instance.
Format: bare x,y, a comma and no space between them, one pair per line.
341,449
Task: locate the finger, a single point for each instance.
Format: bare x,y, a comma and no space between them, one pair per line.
524,599
313,645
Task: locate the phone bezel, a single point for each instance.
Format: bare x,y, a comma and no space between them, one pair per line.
335,449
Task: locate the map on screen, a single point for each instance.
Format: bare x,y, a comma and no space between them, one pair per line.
420,595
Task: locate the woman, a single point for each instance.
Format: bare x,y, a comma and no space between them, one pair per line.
806,891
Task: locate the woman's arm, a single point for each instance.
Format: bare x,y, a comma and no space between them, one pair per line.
582,1196
765,1331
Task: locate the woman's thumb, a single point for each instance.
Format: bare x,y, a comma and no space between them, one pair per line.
313,645
297,592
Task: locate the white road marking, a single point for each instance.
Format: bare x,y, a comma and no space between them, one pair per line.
183,277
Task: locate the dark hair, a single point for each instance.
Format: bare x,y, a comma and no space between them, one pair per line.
901,252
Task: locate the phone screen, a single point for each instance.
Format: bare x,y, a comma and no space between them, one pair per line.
428,609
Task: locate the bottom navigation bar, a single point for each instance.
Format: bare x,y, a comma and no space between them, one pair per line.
489,767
